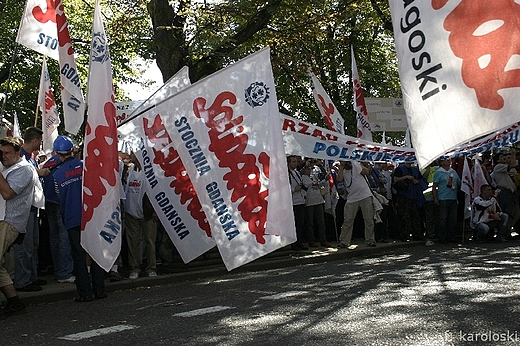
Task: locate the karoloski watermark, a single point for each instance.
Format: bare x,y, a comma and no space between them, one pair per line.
450,336
486,336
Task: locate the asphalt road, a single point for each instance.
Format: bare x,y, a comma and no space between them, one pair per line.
448,295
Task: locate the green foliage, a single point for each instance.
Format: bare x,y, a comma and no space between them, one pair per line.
208,35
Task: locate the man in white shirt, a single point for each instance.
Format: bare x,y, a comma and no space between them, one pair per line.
359,197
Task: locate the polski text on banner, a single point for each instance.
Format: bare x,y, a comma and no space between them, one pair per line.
328,110
71,94
101,219
226,129
364,131
455,69
305,139
47,105
37,29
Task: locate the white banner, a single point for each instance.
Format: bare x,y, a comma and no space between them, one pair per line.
130,121
71,94
101,218
457,69
47,105
328,110
364,130
305,139
241,176
37,29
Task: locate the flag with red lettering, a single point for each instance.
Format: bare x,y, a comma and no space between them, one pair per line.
458,71
167,183
226,130
101,219
47,105
71,94
364,131
328,110
467,188
37,28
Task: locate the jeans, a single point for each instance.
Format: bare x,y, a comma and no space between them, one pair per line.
26,254
79,256
60,243
482,228
447,220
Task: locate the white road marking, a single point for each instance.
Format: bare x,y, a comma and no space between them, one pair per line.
203,311
97,332
284,295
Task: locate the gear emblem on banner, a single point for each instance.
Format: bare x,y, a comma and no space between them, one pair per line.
99,48
257,94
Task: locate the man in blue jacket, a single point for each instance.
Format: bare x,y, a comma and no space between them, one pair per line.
68,178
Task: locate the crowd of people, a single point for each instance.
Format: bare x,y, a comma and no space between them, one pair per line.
418,205
41,220
332,202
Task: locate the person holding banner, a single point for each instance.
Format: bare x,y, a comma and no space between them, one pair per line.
299,195
68,179
359,197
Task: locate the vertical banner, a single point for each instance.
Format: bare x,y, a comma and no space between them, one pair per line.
101,218
226,130
16,127
71,94
364,131
47,105
37,28
458,70
328,110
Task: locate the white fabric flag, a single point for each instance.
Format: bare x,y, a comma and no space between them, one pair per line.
71,94
16,127
101,218
167,184
458,70
467,188
226,129
37,28
364,131
478,178
47,105
131,123
328,110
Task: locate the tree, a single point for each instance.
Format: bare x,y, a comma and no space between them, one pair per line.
209,35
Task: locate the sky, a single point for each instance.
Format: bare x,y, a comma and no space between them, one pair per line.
138,93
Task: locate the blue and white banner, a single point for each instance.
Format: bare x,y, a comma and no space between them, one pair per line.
305,139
